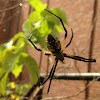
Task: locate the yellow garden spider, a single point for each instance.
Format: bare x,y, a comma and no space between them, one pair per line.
55,48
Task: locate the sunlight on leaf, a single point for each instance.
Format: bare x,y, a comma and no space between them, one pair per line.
59,28
17,70
9,44
37,5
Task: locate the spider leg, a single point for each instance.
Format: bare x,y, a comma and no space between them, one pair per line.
69,41
47,77
46,52
61,23
49,74
52,74
79,58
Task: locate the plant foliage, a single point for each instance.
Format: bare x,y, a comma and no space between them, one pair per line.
13,53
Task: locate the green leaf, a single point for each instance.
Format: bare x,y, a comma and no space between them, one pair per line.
17,70
3,81
4,47
34,17
37,5
60,13
27,28
32,67
40,39
9,58
55,32
44,30
21,45
17,36
59,28
53,21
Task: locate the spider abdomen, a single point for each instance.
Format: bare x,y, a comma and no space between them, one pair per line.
54,46
53,43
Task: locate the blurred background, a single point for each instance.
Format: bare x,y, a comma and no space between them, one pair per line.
84,18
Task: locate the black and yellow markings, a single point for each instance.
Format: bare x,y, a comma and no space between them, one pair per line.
53,43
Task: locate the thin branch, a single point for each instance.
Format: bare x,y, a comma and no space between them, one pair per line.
34,94
92,33
92,42
13,7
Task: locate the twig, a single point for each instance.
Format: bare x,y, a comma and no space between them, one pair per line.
92,42
12,7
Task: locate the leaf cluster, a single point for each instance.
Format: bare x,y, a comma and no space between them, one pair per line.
12,58
13,53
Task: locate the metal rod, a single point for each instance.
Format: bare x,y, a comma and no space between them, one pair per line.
74,76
